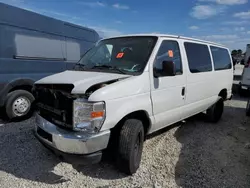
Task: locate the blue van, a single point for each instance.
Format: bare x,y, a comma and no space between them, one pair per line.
33,46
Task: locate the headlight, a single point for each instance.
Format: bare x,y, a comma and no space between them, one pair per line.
88,116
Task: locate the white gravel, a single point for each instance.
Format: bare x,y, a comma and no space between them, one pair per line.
191,154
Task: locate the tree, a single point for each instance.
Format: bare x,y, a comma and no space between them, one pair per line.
239,52
234,52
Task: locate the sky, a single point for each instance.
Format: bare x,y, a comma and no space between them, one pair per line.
223,21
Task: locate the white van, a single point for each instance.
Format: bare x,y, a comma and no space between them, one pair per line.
245,77
126,88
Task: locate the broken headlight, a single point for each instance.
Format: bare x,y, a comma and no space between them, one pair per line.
88,116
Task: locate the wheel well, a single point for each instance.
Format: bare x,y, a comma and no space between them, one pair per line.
223,94
22,87
140,115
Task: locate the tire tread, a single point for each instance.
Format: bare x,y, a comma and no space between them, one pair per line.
128,133
211,116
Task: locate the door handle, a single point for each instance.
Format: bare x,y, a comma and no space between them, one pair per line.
183,91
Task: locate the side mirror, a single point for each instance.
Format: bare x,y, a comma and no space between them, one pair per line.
168,69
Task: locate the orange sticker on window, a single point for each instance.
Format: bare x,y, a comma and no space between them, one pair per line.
120,55
170,53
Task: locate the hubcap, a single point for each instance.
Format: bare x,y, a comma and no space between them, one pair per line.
20,106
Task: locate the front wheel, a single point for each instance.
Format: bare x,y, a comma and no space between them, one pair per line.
130,146
18,104
215,112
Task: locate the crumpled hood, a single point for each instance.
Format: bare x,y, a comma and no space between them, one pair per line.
81,80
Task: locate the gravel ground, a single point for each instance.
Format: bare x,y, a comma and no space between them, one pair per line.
190,154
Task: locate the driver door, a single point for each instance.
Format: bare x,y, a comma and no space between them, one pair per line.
168,92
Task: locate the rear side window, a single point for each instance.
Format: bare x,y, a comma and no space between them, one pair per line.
25,44
199,59
221,58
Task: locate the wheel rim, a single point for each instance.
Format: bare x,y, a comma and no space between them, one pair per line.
20,106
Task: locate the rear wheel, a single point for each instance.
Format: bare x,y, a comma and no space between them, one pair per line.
215,112
130,146
18,104
248,108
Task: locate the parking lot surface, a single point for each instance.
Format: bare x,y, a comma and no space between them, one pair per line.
189,154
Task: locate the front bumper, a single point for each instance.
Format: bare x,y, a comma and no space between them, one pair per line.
69,142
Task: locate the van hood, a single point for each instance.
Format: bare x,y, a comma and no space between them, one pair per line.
81,80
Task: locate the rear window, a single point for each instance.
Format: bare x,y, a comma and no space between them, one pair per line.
199,59
221,58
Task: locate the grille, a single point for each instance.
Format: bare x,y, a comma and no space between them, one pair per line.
55,105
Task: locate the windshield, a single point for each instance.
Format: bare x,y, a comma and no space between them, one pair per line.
125,55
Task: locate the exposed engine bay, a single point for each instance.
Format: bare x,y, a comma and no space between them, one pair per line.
95,87
54,102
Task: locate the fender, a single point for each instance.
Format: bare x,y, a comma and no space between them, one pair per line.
117,109
12,84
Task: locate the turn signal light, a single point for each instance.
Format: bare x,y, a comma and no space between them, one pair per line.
97,114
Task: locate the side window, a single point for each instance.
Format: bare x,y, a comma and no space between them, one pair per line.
199,59
23,43
168,51
221,58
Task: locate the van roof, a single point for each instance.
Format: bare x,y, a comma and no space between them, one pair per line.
171,36
22,18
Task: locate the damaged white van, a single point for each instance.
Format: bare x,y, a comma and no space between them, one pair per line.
127,87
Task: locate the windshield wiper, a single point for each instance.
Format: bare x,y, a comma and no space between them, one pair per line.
102,66
109,67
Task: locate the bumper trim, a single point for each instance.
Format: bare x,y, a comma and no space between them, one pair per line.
87,159
70,141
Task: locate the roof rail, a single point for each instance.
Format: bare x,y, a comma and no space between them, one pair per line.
200,40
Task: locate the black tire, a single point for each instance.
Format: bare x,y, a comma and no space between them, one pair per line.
215,112
130,146
248,108
12,97
240,91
